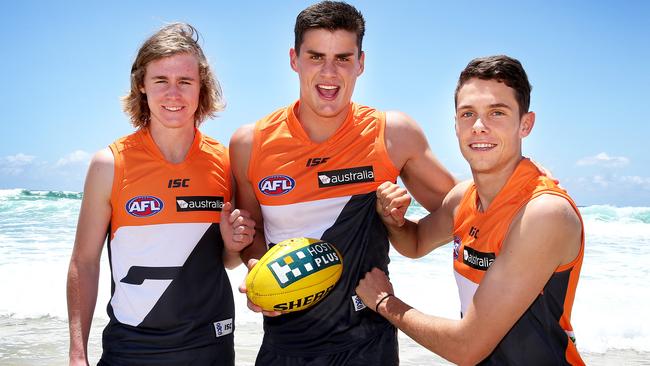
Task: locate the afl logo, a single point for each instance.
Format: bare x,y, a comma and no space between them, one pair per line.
143,206
276,185
457,244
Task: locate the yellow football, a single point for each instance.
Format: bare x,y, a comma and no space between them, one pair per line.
294,275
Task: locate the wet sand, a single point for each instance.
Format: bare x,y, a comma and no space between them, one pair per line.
44,341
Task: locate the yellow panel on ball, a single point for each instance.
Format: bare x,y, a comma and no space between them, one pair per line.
294,275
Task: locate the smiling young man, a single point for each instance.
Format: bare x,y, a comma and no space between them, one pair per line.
518,237
311,169
162,196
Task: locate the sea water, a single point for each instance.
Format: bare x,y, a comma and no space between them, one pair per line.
37,231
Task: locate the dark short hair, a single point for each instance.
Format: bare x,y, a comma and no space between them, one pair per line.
503,69
171,40
330,15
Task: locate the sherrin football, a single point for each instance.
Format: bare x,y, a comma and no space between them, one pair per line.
294,275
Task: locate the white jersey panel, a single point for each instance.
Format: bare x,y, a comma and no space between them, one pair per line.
305,219
151,246
466,291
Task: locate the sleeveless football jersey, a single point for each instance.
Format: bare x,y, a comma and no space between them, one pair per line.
543,335
170,292
324,191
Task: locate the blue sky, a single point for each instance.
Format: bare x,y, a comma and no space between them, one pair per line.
67,63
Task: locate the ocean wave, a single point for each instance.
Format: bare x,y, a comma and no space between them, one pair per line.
26,194
608,213
595,213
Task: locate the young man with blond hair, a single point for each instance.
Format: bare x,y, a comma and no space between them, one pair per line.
162,196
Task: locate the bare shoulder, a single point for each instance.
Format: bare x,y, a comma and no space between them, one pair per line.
99,181
102,164
240,146
554,209
459,189
243,136
404,139
399,122
553,219
103,157
455,195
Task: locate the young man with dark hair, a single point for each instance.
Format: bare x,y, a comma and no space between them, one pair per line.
518,237
312,169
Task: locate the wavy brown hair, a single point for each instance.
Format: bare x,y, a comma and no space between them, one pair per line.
170,40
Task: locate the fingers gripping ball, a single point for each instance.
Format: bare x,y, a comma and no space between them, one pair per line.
294,275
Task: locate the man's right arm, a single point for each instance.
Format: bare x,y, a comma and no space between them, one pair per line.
83,273
416,239
240,147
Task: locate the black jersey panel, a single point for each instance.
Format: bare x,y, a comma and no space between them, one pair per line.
336,324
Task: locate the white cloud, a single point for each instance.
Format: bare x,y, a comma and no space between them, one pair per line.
614,181
22,170
604,160
19,159
74,158
643,182
601,181
15,164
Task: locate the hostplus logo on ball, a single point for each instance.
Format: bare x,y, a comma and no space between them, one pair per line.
303,262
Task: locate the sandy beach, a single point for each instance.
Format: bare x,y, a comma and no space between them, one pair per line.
45,342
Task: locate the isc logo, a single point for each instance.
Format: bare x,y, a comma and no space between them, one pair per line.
223,327
143,206
316,161
276,185
178,183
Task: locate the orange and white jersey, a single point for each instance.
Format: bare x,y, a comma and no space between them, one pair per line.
324,191
543,335
170,290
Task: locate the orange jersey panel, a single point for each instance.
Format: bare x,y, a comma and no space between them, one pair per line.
148,191
352,161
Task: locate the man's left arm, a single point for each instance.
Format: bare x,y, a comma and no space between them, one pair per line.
423,175
545,235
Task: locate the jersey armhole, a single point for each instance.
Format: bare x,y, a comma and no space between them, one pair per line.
228,171
578,257
252,160
118,174
467,195
580,254
381,146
